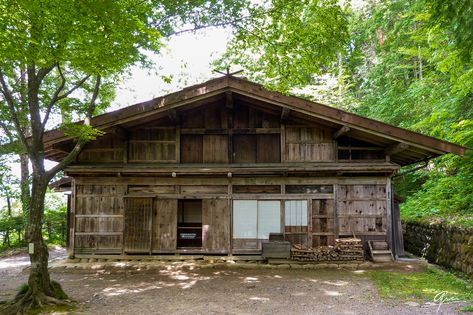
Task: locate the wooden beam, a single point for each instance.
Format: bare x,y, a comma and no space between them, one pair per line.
340,132
119,131
64,147
173,115
285,114
229,100
396,148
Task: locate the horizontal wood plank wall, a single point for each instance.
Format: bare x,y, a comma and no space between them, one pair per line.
362,210
215,225
108,148
153,144
309,144
99,221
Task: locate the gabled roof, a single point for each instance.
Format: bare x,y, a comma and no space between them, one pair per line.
404,146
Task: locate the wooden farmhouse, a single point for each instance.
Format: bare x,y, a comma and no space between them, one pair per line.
217,167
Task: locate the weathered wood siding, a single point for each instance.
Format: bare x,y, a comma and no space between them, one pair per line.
138,223
362,209
99,214
215,225
108,148
153,144
164,226
309,144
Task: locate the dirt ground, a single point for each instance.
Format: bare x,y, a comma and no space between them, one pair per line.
182,288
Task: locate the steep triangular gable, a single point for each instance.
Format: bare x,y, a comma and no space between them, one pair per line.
404,146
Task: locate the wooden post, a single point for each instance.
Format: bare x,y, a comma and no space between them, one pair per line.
388,213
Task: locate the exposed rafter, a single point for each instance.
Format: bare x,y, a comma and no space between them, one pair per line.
119,131
229,99
340,132
285,114
396,148
173,115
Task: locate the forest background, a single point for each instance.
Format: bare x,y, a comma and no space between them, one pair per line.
407,63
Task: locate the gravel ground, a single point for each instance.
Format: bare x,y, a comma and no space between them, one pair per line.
178,288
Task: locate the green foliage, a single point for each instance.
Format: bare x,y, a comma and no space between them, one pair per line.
422,286
406,66
284,43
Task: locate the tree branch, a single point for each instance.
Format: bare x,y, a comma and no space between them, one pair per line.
54,98
76,85
80,143
11,106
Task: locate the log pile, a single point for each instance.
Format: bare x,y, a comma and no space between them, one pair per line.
345,249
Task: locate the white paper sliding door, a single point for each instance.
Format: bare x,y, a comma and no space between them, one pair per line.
253,220
269,218
245,218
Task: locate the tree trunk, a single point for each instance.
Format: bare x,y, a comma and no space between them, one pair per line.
24,182
40,289
38,281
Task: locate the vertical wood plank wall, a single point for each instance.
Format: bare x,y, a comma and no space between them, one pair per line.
98,218
216,225
164,226
362,210
139,215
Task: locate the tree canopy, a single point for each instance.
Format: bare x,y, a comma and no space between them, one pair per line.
62,59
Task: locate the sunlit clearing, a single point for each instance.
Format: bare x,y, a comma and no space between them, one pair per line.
114,291
14,262
277,276
119,264
332,293
313,280
298,294
338,283
189,284
359,271
251,279
180,277
262,299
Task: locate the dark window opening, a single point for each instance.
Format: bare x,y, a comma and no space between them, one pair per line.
309,189
189,223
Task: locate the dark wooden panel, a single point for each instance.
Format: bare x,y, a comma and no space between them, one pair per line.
165,226
204,189
191,148
151,189
309,189
215,225
268,148
256,189
215,149
215,117
138,216
244,149
194,118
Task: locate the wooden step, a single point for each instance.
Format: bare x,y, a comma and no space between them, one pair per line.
377,245
381,252
382,258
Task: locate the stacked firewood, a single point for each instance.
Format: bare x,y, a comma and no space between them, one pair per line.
347,249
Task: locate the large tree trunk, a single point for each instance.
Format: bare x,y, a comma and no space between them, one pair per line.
41,290
38,281
24,182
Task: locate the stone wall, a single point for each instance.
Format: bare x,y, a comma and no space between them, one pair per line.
441,244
